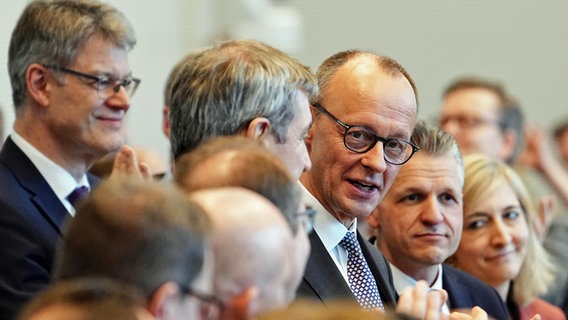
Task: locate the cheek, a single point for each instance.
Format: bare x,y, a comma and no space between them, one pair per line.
471,247
520,236
389,175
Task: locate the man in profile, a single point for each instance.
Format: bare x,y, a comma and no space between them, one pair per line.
71,88
236,161
242,87
251,245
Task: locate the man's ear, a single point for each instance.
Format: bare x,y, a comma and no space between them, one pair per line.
243,306
158,302
510,140
258,129
39,88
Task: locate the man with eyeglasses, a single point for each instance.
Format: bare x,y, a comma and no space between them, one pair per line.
240,162
148,235
71,88
359,138
251,251
482,117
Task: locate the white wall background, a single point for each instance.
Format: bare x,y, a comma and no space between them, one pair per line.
524,43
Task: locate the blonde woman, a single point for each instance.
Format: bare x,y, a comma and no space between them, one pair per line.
498,244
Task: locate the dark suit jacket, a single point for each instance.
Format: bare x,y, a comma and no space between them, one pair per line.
323,281
466,291
31,219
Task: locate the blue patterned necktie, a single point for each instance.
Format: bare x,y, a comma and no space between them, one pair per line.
361,280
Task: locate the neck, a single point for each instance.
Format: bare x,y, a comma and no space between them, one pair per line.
344,219
63,156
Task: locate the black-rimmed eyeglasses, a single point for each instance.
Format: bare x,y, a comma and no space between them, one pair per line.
360,139
106,86
210,306
306,218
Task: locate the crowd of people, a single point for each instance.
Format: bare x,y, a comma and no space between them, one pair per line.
290,194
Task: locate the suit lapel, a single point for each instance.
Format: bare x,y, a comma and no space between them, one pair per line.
322,275
458,294
40,194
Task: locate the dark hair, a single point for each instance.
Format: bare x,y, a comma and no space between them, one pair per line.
97,298
144,233
246,164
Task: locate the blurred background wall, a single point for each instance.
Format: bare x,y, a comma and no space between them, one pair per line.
523,43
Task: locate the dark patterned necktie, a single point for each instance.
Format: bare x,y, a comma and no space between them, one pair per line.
361,280
77,194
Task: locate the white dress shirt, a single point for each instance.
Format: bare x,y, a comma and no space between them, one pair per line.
403,281
330,231
59,180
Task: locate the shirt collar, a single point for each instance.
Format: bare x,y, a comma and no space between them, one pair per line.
328,228
59,180
403,281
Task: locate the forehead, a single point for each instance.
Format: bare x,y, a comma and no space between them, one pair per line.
362,93
100,55
472,101
429,172
494,199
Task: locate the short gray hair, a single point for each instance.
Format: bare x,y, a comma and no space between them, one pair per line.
222,88
53,32
433,141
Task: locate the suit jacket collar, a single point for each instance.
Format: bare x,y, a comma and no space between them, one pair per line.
324,278
458,294
41,195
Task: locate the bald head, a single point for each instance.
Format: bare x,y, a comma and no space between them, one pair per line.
251,242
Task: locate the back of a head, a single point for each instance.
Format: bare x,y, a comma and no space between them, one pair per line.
53,32
143,233
259,246
240,162
86,299
338,310
222,88
327,70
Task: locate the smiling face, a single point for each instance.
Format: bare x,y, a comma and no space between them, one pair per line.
349,184
88,123
419,222
495,236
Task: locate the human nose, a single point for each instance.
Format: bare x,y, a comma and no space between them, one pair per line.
119,99
431,211
375,158
501,234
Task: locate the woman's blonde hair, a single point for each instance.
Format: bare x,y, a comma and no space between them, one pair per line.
482,175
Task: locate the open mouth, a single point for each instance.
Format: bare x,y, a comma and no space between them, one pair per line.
363,186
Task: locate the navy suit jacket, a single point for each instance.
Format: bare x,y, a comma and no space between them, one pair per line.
31,220
466,291
323,281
